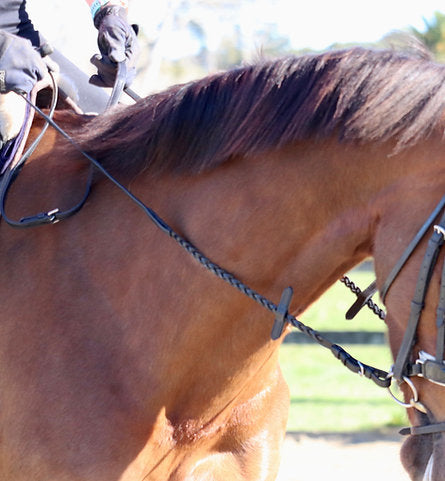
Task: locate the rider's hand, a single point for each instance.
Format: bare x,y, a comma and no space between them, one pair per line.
21,66
117,42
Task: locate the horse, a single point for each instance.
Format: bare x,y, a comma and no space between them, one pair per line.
121,357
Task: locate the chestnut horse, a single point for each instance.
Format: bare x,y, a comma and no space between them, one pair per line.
121,357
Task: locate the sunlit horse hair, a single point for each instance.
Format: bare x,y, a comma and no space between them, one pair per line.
359,95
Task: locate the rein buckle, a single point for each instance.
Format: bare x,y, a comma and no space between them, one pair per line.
430,368
438,229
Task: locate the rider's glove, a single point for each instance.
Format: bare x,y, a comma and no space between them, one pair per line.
117,42
21,66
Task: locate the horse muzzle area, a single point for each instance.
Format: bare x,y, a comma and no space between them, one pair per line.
423,455
415,454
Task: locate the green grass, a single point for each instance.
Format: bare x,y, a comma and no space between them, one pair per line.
327,397
328,313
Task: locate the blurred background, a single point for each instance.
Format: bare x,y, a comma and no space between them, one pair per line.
187,39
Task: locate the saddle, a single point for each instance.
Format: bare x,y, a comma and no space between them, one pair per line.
16,117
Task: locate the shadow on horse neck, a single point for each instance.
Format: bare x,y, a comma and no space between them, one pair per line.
123,358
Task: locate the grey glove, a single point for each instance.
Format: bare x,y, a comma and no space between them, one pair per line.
117,43
21,66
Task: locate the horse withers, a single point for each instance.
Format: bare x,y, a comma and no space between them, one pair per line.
122,358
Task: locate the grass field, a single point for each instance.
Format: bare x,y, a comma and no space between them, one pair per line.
325,396
328,313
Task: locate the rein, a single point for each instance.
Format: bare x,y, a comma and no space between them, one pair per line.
12,171
282,316
55,215
428,367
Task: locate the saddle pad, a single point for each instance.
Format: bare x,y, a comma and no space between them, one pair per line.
10,148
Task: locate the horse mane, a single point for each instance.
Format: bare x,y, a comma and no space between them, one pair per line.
358,95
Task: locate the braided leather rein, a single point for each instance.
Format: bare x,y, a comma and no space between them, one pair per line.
282,316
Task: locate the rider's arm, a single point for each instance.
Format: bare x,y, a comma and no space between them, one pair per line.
20,64
14,19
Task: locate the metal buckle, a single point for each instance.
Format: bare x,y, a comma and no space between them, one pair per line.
52,216
425,356
432,370
438,229
361,373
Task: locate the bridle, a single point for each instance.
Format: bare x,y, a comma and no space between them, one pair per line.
426,366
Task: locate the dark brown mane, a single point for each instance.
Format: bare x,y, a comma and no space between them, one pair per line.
360,95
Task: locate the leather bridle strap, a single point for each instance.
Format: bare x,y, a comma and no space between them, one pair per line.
410,249
440,320
425,429
434,244
365,295
426,366
119,85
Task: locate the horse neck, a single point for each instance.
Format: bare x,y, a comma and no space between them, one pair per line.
302,215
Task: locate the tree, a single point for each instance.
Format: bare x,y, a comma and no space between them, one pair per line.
434,35
207,22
